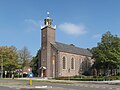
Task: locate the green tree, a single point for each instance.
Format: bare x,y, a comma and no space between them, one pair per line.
24,57
10,58
107,52
35,63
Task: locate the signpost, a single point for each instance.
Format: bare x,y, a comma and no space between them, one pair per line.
30,76
5,73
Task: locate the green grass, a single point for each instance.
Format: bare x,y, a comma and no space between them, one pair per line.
57,82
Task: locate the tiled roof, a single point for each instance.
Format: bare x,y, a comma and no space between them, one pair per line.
71,49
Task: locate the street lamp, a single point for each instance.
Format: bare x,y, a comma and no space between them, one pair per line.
1,66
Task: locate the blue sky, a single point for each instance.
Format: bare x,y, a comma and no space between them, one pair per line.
79,22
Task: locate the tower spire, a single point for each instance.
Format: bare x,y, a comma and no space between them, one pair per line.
48,22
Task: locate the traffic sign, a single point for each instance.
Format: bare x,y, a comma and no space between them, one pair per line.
30,75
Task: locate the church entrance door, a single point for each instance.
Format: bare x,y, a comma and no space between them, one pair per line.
44,72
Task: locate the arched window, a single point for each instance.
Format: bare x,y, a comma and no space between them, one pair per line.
72,63
64,62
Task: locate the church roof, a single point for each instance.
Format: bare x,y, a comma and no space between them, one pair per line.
71,49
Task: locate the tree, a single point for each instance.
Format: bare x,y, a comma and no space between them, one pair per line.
9,57
35,63
107,52
24,57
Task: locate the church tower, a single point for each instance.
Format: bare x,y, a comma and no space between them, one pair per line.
47,38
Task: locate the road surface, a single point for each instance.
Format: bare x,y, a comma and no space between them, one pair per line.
6,88
24,85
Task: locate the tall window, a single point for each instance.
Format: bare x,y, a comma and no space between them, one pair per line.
72,63
64,62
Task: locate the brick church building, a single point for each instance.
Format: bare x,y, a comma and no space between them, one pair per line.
59,59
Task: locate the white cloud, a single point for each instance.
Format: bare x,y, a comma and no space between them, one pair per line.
32,25
30,21
97,36
72,29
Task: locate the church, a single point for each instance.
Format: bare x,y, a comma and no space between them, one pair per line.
59,59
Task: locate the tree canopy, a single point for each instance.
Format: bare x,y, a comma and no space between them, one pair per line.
107,52
24,57
10,57
35,63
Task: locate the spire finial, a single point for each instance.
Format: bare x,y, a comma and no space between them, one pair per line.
48,14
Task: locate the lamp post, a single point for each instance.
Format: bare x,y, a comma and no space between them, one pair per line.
1,66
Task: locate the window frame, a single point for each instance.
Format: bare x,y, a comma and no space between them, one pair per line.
72,63
65,63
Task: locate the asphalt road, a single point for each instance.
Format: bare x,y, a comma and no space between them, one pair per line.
6,88
80,86
23,85
65,87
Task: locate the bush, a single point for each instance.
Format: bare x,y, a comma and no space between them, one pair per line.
89,78
62,78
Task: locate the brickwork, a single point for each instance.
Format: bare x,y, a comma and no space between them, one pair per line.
79,67
48,38
51,58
